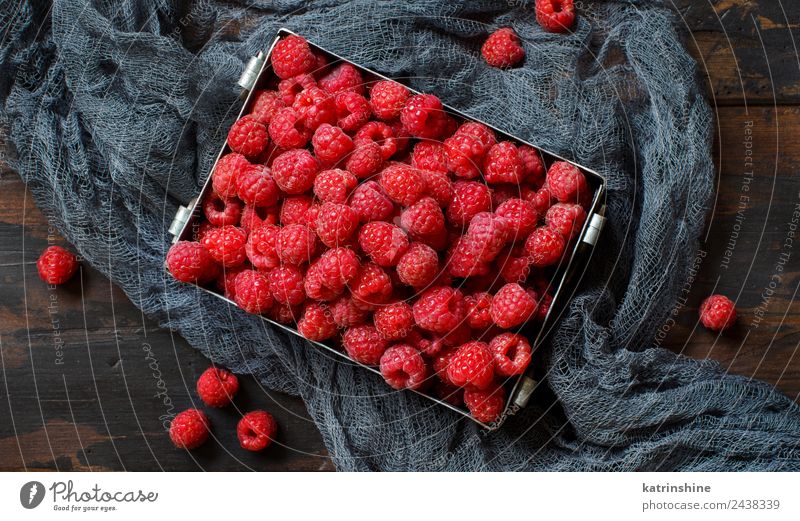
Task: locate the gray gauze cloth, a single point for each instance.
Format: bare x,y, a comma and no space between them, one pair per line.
116,110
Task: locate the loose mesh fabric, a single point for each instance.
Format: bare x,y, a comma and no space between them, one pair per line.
116,110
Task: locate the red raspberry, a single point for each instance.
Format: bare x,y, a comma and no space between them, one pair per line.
260,247
464,259
566,219
189,429
521,217
513,264
541,199
352,111
370,203
438,186
248,137
345,313
440,363
503,164
343,78
469,199
364,344
460,335
294,209
372,287
512,354
504,192
424,222
283,313
480,131
286,285
402,183
255,216
512,305
187,261
331,144
292,56
471,365
295,170
429,155
256,186
566,183
486,405
384,243
252,292
394,321
403,367
465,155
220,212
217,387
291,87
287,131
379,133
487,234
314,286
545,247
315,107
265,104
256,430
338,266
334,186
295,244
717,313
401,137
336,224
387,99
479,310
555,16
427,344
419,266
423,116
226,281
56,265
545,302
228,168
440,309
316,323
532,165
365,160
502,49
226,245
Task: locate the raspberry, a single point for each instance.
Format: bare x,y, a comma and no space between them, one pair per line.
256,430
287,131
512,305
352,111
424,222
402,183
485,405
314,107
187,261
283,313
479,310
555,16
345,313
228,168
545,247
418,266
471,365
465,154
56,265
541,199
371,288
566,183
286,285
464,259
260,247
480,131
217,387
321,67
265,104
384,243
189,429
226,245
370,203
292,56
438,186
460,335
394,321
365,160
255,186
381,134
521,217
440,361
426,344
486,235
255,216
295,244
403,367
566,219
343,78
423,117
294,210
440,309
502,48
291,87
316,323
331,144
294,171
248,137
532,165
387,99
513,264
429,155
338,266
717,313
545,302
503,164
220,212
314,286
226,281
334,186
252,292
401,137
511,352
469,199
336,224
364,344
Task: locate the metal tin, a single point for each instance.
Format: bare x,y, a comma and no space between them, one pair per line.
257,73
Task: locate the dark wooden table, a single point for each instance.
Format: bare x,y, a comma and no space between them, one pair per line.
87,381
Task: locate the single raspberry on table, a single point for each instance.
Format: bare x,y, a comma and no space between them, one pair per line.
511,352
256,430
545,247
294,210
424,222
387,98
372,287
384,243
370,203
265,104
503,164
292,56
440,309
423,117
366,160
566,182
226,245
286,285
331,144
403,183
253,293
189,429
338,266
555,16
315,107
502,49
465,155
295,170
296,244
227,169
566,218
336,223
314,286
247,136
479,307
487,234
469,199
394,321
255,186
464,259
403,367
345,313
532,165
521,216
286,129
219,211
717,313
429,155
513,264
472,365
261,247
364,344
316,323
343,78
381,134
418,266
438,186
513,305
352,111
485,405
289,88
57,265
217,387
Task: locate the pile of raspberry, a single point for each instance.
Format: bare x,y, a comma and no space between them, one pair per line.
373,220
